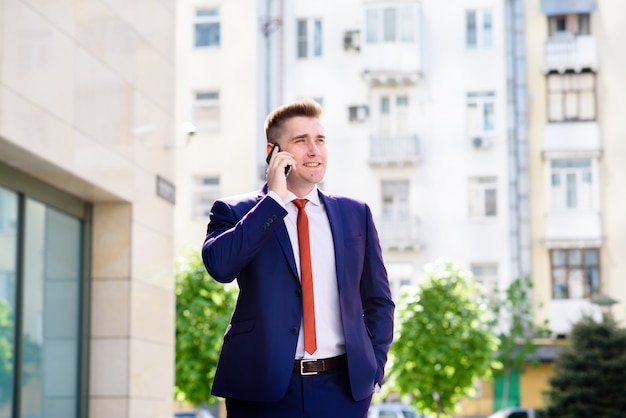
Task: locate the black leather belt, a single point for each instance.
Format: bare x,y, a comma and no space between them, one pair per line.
307,367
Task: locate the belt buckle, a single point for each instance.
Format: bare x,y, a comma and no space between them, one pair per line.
302,372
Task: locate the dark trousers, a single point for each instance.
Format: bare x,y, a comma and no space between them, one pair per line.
324,395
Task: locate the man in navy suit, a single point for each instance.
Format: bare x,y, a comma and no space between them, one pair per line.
264,370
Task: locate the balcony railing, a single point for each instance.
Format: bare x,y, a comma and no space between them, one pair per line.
570,53
394,150
401,234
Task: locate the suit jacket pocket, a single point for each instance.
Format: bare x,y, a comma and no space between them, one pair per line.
240,327
353,241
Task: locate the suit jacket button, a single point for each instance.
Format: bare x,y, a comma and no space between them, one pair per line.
294,330
298,293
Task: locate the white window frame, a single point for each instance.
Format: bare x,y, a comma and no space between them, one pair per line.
572,184
481,114
310,41
571,97
487,275
205,189
208,18
483,197
207,102
479,29
390,24
395,201
393,114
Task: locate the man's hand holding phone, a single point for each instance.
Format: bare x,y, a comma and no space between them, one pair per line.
277,171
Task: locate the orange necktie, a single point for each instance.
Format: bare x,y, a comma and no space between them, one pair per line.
306,279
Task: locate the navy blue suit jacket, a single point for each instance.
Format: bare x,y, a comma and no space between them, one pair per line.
247,240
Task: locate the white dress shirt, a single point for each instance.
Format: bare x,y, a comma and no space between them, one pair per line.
329,329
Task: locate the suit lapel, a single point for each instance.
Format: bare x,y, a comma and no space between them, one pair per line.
282,236
336,226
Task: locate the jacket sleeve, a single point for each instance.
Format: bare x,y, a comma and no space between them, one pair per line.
378,306
236,233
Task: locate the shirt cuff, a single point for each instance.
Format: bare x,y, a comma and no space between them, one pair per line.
277,198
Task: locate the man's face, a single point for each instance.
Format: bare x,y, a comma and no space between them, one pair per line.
304,138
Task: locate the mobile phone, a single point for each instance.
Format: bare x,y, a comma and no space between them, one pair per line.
269,157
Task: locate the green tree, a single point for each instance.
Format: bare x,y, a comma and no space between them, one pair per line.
590,373
203,310
516,331
443,341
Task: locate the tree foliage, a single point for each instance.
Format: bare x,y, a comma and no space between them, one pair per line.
443,341
590,373
203,310
516,331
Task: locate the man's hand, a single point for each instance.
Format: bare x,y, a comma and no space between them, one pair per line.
275,173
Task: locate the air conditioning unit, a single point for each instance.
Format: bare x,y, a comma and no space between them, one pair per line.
480,142
351,40
358,113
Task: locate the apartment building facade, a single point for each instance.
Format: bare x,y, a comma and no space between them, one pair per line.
415,98
86,209
576,137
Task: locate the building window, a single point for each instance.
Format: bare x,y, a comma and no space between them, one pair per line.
309,38
395,194
206,111
487,275
42,269
575,273
571,184
568,26
207,28
480,114
483,197
390,24
204,191
478,29
571,97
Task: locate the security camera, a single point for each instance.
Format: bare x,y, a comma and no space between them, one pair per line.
188,128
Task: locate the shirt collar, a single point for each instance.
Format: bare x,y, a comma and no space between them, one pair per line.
312,197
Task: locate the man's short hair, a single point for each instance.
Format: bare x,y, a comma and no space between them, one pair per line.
276,119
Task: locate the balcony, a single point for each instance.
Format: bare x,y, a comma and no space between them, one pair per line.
575,228
394,150
565,312
399,235
575,53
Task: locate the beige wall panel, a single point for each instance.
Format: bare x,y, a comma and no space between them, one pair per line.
109,370
151,371
153,310
110,306
38,60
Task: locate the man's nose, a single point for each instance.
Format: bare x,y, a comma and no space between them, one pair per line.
314,149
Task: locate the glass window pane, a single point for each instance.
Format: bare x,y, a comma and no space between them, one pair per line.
371,23
487,30
406,24
575,284
555,107
8,271
317,38
207,34
591,257
591,281
574,257
558,257
51,313
559,284
302,38
490,202
488,117
389,25
470,29
570,180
